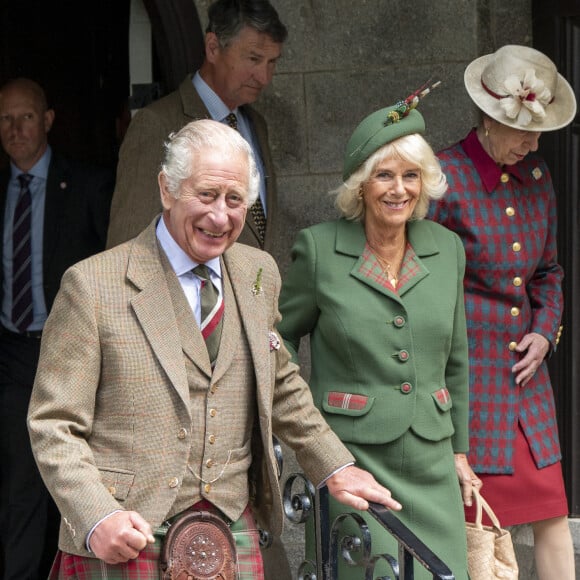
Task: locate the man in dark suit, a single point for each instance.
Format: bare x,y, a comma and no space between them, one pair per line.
55,213
243,43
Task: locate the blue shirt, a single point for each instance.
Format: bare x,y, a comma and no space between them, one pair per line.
183,265
218,112
38,193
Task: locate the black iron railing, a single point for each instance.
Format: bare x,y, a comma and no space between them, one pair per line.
302,502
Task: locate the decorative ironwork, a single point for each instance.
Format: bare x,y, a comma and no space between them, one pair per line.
302,501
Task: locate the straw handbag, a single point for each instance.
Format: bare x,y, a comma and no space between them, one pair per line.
490,552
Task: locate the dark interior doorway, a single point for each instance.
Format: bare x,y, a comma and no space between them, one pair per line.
78,52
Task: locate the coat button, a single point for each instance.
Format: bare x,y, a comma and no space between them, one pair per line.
403,355
207,488
211,439
517,281
182,433
516,246
515,311
510,211
406,387
173,482
112,489
209,463
399,321
212,412
512,345
504,178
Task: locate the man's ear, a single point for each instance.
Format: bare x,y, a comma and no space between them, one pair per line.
212,47
48,120
167,200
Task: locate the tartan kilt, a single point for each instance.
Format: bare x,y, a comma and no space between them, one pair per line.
146,565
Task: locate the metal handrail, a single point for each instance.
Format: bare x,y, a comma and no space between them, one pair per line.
331,545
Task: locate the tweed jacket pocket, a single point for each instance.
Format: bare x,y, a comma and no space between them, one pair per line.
117,481
442,399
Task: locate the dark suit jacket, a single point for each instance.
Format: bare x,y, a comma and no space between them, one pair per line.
136,200
78,199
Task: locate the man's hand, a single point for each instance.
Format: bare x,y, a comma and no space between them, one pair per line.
355,487
121,537
537,347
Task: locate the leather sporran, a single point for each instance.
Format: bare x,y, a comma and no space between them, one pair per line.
198,546
490,551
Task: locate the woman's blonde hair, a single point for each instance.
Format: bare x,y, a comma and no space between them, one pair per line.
411,148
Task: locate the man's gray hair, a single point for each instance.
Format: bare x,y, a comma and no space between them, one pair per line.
182,149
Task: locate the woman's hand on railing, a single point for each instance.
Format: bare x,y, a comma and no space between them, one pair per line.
355,487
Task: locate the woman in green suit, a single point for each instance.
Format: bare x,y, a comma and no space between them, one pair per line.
380,294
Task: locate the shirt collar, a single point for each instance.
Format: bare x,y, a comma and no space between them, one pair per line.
39,169
180,262
215,106
489,171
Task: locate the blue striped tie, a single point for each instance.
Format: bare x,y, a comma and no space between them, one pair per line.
22,257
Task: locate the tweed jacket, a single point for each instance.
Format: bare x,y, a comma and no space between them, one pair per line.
76,216
136,200
512,287
382,362
110,404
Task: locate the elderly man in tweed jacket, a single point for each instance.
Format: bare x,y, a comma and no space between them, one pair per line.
130,421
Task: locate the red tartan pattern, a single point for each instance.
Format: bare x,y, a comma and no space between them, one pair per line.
442,395
371,268
347,401
146,566
488,232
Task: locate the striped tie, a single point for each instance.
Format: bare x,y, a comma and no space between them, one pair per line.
22,257
212,310
257,208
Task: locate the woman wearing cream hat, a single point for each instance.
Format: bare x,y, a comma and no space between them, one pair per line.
502,203
380,293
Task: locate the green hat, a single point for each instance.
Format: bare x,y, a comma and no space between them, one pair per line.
384,126
376,130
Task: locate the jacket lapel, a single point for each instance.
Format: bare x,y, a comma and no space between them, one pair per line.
153,307
351,240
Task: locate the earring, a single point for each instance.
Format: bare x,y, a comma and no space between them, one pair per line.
486,132
360,192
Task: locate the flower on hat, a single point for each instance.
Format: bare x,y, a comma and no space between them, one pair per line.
526,98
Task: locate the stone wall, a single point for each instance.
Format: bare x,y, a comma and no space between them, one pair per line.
344,60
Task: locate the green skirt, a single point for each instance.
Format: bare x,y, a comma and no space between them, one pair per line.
421,476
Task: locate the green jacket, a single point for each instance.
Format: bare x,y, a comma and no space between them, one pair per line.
404,356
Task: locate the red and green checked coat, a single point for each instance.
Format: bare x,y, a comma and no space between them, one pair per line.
507,221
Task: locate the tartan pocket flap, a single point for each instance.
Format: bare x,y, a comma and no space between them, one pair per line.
351,404
442,398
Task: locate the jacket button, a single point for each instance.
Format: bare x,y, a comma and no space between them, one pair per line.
510,211
207,488
512,345
517,281
516,246
504,178
173,482
213,389
212,412
209,463
403,355
112,489
211,439
399,321
182,433
406,388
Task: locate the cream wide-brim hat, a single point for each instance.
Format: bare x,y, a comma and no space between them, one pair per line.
490,79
